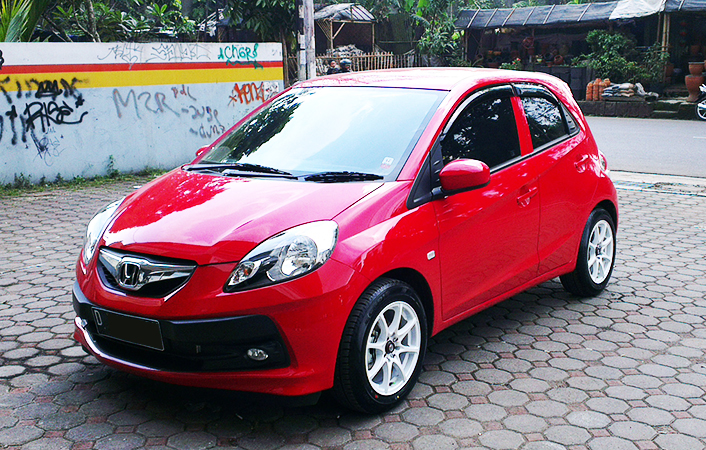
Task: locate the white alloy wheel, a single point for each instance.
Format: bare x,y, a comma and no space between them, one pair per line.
600,252
392,348
701,109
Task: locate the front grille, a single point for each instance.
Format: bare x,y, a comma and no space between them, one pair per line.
162,276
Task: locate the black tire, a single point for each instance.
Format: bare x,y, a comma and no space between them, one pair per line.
590,278
381,301
701,109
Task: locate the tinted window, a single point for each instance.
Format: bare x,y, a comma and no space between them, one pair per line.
544,119
358,129
485,131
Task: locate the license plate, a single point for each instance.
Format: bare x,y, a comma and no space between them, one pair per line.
131,329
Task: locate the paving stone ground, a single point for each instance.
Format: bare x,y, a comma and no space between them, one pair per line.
540,371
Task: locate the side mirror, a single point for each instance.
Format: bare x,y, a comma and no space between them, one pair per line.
200,151
464,175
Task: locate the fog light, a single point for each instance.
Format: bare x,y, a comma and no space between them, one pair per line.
257,354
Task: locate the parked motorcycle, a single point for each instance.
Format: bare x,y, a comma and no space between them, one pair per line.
701,103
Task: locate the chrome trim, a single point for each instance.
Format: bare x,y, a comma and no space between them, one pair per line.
133,273
93,348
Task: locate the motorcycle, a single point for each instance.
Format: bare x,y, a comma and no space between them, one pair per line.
701,103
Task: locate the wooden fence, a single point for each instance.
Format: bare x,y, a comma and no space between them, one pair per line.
372,61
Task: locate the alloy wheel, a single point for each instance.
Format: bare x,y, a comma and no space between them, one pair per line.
600,252
392,348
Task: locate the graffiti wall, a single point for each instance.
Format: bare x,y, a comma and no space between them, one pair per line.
79,109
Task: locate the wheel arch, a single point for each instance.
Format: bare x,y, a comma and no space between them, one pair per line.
420,286
610,207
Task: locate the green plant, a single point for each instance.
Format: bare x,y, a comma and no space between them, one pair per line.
21,181
110,169
14,16
614,56
654,61
515,64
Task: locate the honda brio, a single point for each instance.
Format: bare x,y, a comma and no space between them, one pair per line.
321,241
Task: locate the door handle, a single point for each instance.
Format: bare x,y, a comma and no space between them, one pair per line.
580,163
525,199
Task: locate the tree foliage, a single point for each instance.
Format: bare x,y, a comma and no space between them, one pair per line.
18,19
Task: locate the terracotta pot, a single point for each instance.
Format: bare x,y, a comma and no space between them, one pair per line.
692,85
696,68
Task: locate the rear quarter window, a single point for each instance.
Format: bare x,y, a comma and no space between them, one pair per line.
545,120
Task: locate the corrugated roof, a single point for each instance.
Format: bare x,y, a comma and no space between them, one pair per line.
537,15
685,5
344,11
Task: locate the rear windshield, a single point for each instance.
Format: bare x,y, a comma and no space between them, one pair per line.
356,129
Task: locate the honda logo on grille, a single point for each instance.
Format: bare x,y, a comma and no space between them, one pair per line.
130,274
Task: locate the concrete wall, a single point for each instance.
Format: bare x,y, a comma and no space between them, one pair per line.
76,109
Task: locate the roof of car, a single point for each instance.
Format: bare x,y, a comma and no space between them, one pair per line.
445,78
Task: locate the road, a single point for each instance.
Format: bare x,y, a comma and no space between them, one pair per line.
662,146
625,370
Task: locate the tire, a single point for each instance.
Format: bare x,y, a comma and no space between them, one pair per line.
596,257
377,365
701,109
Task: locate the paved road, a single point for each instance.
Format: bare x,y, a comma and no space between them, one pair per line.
673,147
543,370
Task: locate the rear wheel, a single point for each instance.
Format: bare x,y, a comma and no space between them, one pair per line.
382,348
701,109
596,257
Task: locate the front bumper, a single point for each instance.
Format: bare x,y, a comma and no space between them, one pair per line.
209,345
304,318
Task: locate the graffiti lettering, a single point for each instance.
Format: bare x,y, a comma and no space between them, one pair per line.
183,91
132,53
250,92
48,113
41,113
208,132
182,105
240,54
128,52
4,92
51,88
177,52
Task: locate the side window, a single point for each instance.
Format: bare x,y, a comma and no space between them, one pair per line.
545,120
486,130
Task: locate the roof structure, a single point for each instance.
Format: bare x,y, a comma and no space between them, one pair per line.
685,5
586,13
535,15
349,12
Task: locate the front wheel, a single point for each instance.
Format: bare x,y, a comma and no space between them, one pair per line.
596,257
701,109
382,348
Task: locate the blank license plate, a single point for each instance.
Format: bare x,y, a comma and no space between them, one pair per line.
135,330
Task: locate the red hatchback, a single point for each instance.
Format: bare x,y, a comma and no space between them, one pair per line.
322,240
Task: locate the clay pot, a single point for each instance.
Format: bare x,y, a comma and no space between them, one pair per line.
696,68
692,85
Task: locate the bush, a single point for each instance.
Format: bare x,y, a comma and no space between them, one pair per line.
614,56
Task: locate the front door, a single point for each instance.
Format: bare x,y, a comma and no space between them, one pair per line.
488,236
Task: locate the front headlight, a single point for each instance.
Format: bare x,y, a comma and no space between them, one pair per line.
289,254
95,229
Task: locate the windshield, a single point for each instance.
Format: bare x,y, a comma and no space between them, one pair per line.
361,130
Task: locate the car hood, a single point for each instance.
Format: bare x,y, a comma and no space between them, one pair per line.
214,219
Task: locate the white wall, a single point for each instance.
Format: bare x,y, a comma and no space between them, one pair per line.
69,109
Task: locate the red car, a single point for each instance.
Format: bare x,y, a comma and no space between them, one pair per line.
321,241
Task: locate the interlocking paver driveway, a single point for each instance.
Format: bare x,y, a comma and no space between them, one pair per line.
543,370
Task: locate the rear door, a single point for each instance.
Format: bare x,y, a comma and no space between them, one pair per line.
562,158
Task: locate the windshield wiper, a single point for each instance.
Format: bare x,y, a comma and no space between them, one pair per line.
241,169
333,177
